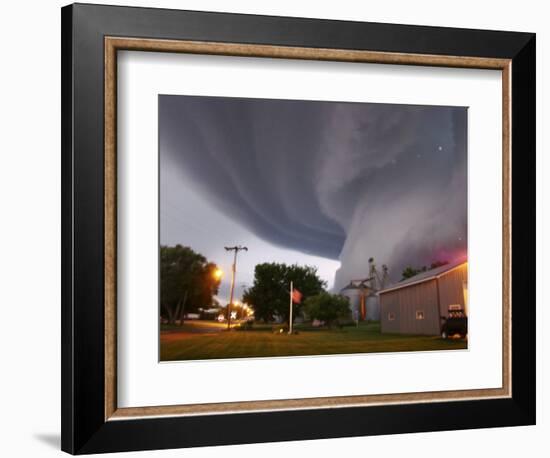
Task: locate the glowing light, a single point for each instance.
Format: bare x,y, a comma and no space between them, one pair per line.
218,274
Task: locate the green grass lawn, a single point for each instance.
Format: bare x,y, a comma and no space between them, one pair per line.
183,343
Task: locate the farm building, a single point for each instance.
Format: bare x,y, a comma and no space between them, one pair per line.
363,301
416,305
363,293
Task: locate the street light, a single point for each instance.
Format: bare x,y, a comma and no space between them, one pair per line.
235,250
218,274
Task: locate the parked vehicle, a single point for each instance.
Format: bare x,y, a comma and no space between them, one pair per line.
456,323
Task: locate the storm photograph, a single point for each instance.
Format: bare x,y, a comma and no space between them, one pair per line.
299,228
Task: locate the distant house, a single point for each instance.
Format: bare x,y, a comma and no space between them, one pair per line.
416,305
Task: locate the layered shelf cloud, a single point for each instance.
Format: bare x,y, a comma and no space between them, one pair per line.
344,181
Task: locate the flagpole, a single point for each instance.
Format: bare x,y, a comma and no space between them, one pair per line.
290,316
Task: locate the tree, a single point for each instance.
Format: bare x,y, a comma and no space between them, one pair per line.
409,271
187,281
269,295
327,307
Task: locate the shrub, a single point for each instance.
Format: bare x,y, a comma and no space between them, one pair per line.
328,308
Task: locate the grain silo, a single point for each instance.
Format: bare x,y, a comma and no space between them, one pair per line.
356,296
364,302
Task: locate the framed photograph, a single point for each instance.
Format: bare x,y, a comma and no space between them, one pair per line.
281,228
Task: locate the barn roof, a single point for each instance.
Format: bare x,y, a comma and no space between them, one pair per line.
425,276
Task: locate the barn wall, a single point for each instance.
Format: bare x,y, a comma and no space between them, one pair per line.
433,297
389,303
404,302
451,288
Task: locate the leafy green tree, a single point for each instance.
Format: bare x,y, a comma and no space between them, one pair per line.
327,307
187,281
269,295
436,264
409,271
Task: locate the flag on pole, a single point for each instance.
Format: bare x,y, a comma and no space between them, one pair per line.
296,296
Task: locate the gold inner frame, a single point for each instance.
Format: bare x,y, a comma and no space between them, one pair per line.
114,44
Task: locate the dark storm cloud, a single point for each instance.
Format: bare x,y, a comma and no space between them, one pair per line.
254,169
337,180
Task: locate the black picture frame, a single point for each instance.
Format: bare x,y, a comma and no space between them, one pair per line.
84,428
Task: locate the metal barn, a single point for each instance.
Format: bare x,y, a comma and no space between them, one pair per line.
416,305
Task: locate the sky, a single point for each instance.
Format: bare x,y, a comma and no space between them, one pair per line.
328,184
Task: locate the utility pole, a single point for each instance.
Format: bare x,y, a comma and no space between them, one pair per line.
235,250
290,313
